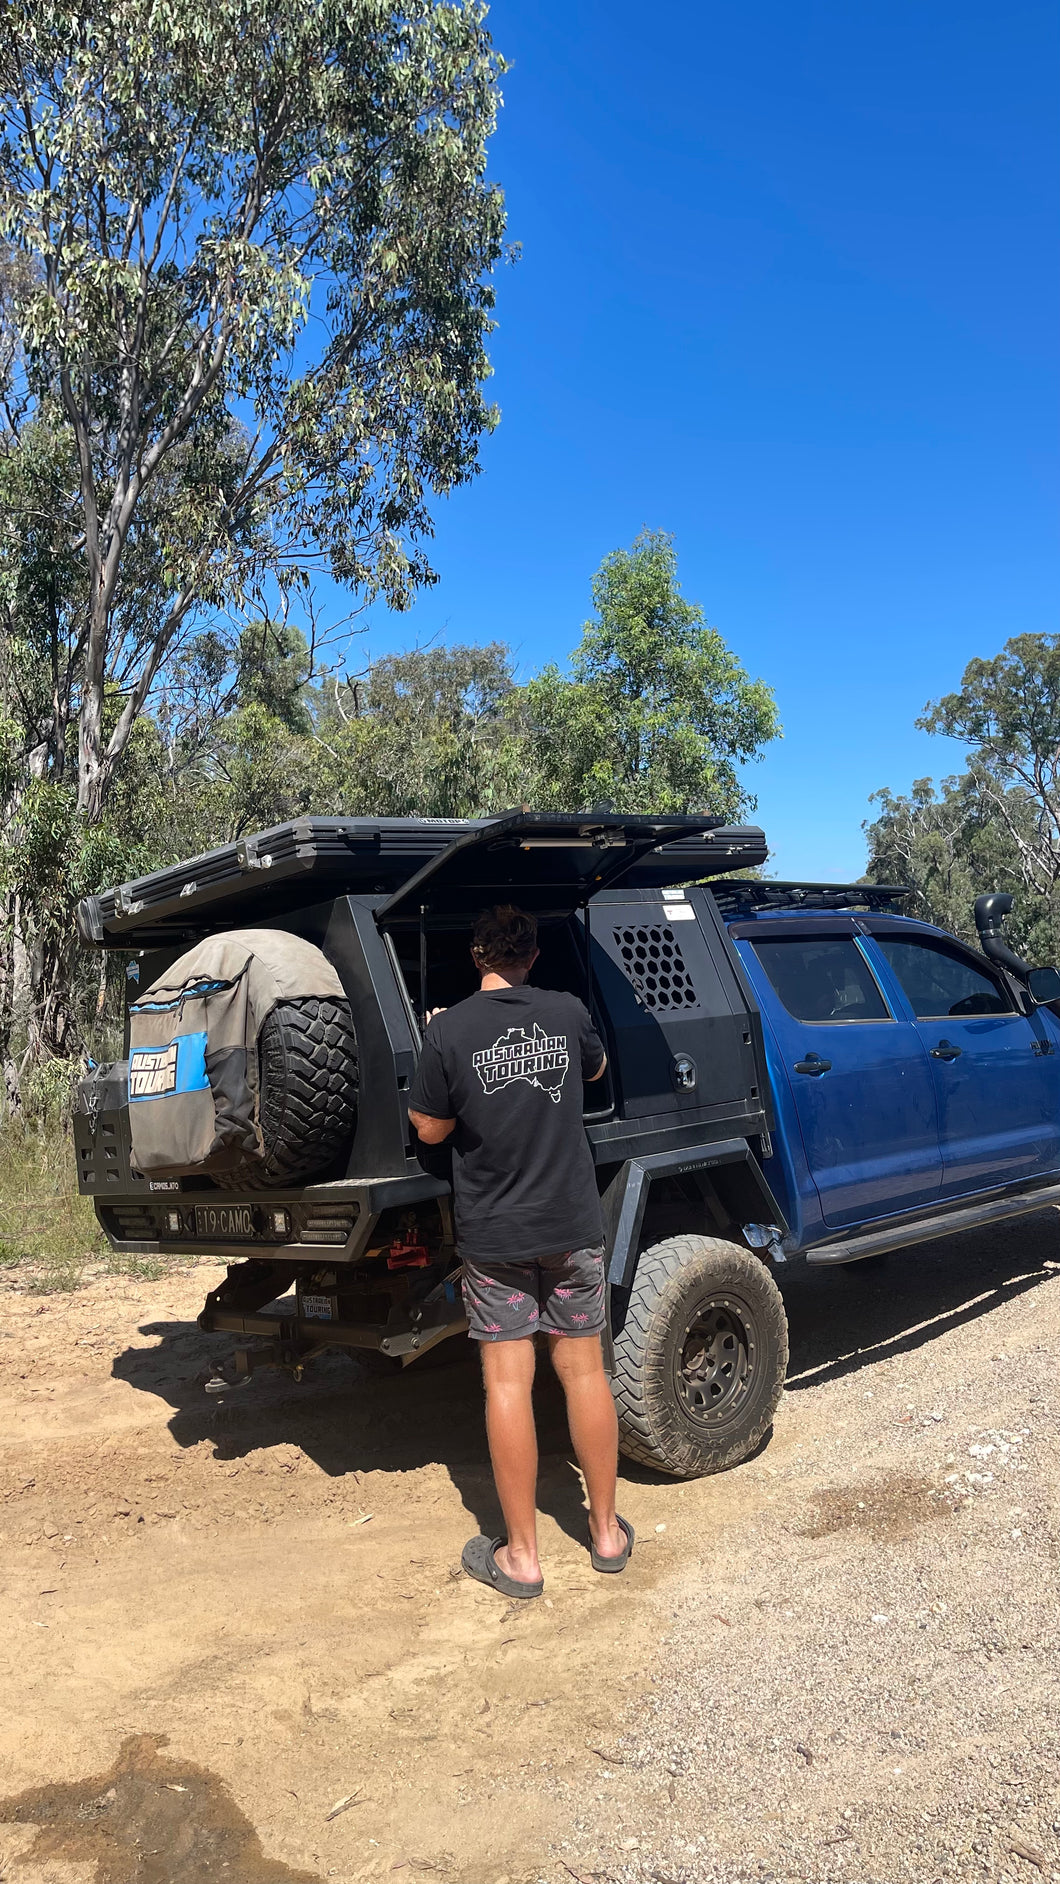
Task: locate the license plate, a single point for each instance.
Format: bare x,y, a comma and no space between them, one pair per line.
224,1222
316,1307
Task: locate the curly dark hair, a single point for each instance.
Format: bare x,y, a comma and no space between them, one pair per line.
503,937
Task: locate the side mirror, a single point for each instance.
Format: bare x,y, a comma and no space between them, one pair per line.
1044,985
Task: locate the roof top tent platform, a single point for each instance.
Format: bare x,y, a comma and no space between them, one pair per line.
297,865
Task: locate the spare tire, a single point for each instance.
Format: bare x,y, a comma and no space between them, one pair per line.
307,1087
243,1062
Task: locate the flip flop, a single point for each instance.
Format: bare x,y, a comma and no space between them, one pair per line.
479,1558
610,1566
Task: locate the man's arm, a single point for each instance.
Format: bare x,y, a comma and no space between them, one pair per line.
592,1047
430,1102
432,1131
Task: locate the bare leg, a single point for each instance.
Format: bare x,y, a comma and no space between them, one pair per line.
579,1362
508,1371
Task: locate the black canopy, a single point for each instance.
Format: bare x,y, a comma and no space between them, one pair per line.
293,865
547,862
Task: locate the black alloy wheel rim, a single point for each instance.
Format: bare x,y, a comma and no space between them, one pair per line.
714,1360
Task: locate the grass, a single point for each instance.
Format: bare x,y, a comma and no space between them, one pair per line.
49,1235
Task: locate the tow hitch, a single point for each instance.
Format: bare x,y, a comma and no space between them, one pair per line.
397,1313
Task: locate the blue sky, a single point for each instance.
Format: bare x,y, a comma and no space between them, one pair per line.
789,290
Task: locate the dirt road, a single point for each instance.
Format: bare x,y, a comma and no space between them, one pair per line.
235,1642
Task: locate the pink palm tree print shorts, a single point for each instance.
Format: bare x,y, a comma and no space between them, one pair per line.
560,1295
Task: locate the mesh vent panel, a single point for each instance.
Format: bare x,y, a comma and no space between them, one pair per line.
656,967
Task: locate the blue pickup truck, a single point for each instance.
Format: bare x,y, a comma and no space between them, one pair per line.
795,1071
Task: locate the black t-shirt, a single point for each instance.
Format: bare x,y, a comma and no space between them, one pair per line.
508,1064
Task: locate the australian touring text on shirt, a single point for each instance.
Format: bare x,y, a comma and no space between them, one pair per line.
521,1056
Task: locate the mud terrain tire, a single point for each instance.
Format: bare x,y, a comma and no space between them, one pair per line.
701,1357
307,1072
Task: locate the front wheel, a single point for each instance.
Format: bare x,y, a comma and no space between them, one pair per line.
701,1356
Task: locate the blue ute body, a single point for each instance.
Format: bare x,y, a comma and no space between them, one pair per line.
882,1111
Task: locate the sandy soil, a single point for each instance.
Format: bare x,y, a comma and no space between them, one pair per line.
222,1620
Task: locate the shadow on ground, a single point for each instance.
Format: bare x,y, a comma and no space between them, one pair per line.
841,1320
349,1421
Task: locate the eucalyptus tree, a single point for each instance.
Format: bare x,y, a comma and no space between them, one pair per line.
997,825
1007,713
256,239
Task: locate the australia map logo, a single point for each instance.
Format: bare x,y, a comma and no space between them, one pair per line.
540,1059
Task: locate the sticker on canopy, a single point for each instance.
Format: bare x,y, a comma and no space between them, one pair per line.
540,1059
161,1072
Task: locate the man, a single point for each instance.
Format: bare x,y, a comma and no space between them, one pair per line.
503,1073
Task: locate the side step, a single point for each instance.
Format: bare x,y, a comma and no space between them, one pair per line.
925,1229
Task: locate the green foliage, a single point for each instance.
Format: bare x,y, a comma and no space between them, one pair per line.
57,859
192,181
49,1092
49,860
425,734
997,827
47,1232
49,1236
272,666
43,594
948,844
657,715
1008,712
657,712
245,260
255,241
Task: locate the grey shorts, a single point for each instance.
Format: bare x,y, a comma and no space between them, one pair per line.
559,1295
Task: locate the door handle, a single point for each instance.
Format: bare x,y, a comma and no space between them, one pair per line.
814,1065
946,1051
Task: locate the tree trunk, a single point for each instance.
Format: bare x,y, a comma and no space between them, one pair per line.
53,1032
90,719
10,1089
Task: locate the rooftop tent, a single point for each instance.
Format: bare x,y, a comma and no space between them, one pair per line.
550,863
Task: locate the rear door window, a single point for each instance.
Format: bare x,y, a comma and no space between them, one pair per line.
822,978
940,981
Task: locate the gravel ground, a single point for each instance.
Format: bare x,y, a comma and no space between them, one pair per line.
860,1676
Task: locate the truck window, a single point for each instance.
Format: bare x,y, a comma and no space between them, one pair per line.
939,981
822,978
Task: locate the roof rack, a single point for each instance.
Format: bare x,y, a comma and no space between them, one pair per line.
735,897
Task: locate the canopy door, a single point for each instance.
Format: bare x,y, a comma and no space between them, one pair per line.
548,863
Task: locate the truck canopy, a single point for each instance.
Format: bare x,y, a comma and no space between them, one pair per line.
539,859
550,863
